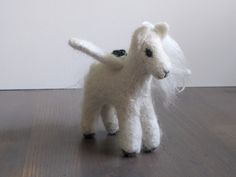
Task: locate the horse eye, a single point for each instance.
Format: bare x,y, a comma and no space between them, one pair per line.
148,52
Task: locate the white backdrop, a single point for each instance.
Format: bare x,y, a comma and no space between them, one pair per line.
34,34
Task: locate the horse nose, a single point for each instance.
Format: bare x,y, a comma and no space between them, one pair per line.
166,73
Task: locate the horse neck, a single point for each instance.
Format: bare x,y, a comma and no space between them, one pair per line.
136,77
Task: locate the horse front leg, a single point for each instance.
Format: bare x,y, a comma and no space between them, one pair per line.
150,127
130,134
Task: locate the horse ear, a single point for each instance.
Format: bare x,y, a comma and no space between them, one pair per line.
147,24
162,29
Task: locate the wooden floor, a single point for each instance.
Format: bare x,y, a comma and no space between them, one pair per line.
39,137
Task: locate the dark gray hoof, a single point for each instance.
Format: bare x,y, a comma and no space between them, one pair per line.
145,150
112,134
89,136
129,154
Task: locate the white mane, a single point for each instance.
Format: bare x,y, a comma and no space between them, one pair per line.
169,87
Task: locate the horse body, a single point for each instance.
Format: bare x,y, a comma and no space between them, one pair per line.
120,93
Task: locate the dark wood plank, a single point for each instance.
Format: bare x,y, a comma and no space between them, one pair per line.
39,137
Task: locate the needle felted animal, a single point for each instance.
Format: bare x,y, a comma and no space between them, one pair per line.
118,87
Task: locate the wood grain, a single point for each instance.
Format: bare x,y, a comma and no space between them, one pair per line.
39,137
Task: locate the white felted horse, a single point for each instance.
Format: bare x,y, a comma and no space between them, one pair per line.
119,88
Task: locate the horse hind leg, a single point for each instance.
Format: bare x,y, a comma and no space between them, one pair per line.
90,112
110,120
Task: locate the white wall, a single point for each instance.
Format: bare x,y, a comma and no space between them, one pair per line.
33,37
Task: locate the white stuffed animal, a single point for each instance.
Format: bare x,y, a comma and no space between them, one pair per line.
119,87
